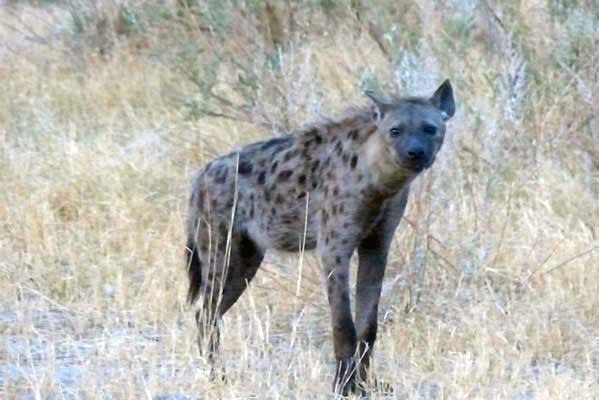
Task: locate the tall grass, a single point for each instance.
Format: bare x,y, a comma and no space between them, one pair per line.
108,107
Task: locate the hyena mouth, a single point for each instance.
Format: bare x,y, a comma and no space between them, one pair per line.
415,166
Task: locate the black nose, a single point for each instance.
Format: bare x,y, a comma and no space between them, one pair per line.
416,153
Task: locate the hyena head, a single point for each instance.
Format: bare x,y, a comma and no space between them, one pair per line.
412,129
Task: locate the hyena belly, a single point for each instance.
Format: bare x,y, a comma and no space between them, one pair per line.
285,215
285,227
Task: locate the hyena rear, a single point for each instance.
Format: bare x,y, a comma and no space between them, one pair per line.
349,179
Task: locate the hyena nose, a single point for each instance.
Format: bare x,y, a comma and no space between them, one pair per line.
416,153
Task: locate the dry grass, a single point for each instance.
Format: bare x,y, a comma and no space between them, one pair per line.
492,286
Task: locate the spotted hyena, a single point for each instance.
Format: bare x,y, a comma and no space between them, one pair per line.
337,186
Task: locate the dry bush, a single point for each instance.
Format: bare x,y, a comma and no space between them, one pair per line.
491,289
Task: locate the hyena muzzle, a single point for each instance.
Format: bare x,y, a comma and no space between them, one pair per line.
337,187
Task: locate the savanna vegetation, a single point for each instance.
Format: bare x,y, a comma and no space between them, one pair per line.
108,107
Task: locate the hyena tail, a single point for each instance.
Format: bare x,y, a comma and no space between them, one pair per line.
194,271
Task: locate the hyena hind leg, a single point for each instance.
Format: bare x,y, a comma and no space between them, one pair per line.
223,282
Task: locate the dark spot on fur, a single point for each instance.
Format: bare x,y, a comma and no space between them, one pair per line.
353,134
273,211
354,161
315,166
338,148
216,170
267,195
336,191
338,260
314,184
301,195
208,166
314,134
245,168
223,228
281,143
325,217
279,199
371,130
274,166
262,178
285,175
345,158
301,179
222,176
289,155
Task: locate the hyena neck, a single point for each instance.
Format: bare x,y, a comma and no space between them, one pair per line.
353,120
380,164
353,147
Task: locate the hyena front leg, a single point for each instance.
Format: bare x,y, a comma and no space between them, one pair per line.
336,269
335,252
372,253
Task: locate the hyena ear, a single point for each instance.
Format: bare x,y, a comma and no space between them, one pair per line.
443,99
381,104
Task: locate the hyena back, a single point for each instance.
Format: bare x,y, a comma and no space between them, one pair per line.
336,187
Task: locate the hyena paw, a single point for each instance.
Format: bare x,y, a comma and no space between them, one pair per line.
217,374
345,377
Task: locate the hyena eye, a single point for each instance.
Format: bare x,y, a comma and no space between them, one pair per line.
395,131
429,129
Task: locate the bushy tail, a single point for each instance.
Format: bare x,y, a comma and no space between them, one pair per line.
194,271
